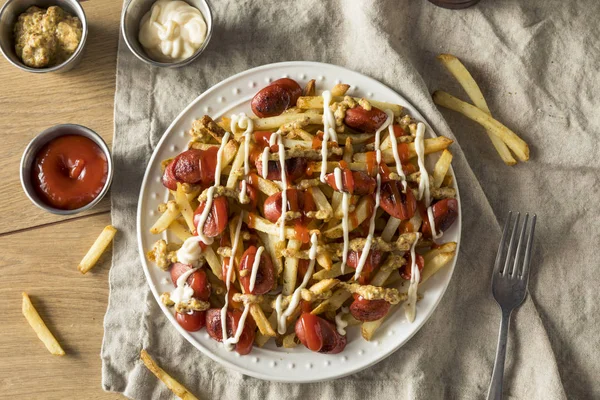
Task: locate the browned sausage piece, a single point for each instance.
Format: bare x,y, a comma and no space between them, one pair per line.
365,121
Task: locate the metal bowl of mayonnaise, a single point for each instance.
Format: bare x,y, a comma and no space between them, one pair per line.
167,33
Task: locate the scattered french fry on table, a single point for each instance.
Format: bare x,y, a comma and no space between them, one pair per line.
99,246
40,328
177,388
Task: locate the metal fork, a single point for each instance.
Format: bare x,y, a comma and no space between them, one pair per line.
509,287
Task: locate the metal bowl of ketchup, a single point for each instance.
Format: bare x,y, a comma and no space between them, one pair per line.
66,169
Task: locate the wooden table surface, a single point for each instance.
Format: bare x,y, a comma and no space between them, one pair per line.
40,251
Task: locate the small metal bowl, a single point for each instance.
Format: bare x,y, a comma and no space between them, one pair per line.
9,14
36,145
130,27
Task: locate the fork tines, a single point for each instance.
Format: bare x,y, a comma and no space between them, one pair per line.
508,260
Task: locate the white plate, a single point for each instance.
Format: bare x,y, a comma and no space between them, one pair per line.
271,363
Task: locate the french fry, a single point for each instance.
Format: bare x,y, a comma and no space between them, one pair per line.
368,329
361,212
270,243
463,76
321,202
99,246
316,102
267,187
213,262
163,222
264,225
177,388
334,272
265,124
261,320
238,161
185,208
309,89
333,303
290,269
431,145
434,265
348,150
390,229
289,341
339,89
514,142
260,340
40,328
179,230
441,168
229,151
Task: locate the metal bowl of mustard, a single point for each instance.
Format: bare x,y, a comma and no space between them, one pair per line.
9,17
131,23
66,169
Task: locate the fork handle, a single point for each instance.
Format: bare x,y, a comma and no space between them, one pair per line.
495,392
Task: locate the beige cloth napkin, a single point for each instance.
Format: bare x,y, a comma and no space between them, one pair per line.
537,63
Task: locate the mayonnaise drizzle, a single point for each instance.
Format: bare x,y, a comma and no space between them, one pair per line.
219,165
394,142
346,229
255,267
265,162
228,343
420,150
295,300
241,121
424,183
340,322
190,251
367,248
236,239
410,307
204,216
434,234
211,192
328,131
183,292
276,139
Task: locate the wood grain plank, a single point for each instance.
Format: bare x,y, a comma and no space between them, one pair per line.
30,103
43,263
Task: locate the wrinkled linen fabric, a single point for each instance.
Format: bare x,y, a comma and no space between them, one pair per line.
537,63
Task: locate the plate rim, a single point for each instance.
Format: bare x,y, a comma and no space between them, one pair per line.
141,251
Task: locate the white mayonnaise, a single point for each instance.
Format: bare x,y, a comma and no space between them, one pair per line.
228,343
211,192
172,30
190,251
337,173
276,139
345,229
367,248
236,239
242,121
219,165
255,266
328,131
283,315
420,150
265,162
183,292
410,307
340,322
394,142
434,234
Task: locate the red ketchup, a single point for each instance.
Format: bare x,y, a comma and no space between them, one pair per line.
69,172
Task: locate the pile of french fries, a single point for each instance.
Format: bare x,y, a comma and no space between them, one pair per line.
504,140
327,293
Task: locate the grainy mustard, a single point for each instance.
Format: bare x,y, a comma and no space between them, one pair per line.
44,38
